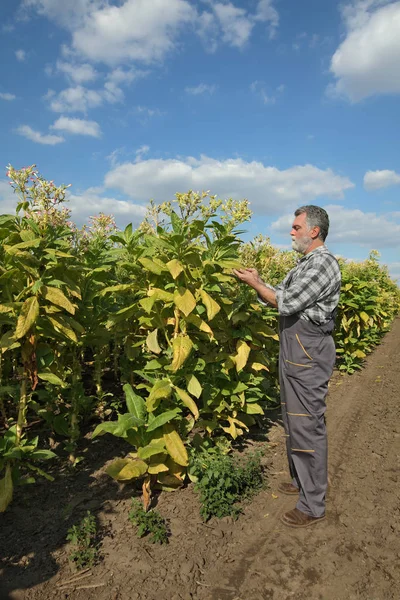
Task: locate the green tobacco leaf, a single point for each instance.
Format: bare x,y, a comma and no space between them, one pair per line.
147,304
181,346
242,355
253,409
57,297
151,450
152,266
135,403
175,446
160,420
185,301
152,342
175,267
188,402
161,389
193,386
51,378
212,307
29,314
122,287
6,489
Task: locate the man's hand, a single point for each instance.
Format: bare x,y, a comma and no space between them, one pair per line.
249,276
252,278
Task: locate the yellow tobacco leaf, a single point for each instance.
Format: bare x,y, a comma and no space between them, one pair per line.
181,346
212,307
242,355
175,446
174,267
57,297
152,342
29,314
188,402
185,301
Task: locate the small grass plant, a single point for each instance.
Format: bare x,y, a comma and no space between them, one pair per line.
83,540
223,481
148,523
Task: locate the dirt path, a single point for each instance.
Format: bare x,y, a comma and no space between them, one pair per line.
354,554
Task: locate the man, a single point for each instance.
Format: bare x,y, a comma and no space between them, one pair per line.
306,300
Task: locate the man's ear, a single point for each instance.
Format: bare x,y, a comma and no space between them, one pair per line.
315,232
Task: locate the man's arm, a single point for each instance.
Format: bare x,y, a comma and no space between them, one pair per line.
252,278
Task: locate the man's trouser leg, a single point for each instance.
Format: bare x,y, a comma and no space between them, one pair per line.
306,363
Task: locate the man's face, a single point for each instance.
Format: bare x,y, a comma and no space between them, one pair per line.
301,234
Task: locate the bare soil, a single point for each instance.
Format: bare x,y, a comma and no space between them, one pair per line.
354,554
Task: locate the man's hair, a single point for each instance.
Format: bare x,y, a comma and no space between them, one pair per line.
315,217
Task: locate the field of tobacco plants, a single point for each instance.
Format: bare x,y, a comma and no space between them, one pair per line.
144,334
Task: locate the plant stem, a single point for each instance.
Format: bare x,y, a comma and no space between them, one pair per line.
22,407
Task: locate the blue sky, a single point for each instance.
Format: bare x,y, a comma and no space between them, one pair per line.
278,101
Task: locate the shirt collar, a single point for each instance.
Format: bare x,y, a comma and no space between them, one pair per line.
318,250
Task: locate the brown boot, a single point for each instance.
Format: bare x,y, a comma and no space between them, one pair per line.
288,488
296,518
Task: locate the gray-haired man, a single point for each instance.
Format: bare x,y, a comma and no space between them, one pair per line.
306,300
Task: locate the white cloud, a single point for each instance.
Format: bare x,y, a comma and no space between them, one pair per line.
267,13
20,55
375,180
77,126
367,61
144,31
7,96
64,12
352,226
267,188
90,203
75,99
138,30
77,73
235,24
259,88
39,138
202,88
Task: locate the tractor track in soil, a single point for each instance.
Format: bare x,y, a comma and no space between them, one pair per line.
353,555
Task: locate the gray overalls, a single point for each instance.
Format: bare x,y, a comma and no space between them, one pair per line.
306,360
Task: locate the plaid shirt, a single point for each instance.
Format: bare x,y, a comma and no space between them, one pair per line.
311,288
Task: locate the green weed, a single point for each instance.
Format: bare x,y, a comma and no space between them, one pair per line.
83,539
149,523
223,481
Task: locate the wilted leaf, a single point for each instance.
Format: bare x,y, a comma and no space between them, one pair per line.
258,366
181,346
29,314
185,301
175,445
61,325
57,297
152,342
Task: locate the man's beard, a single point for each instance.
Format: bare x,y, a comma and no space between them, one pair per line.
302,244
